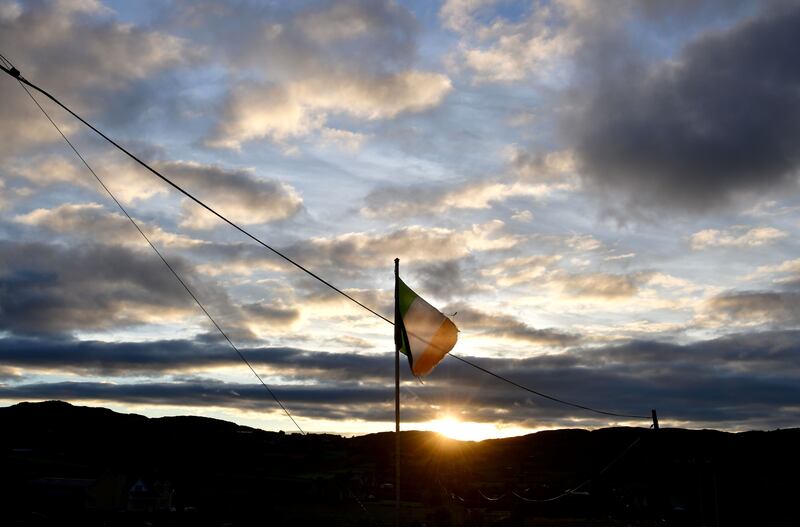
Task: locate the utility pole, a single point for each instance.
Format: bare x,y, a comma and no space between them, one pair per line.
396,399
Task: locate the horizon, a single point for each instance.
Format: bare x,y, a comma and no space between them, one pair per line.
604,200
447,430
444,431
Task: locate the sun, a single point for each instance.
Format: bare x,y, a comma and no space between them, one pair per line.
449,425
452,427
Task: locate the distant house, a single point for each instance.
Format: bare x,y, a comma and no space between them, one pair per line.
150,496
105,492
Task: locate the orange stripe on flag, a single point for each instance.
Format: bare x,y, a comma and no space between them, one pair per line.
442,342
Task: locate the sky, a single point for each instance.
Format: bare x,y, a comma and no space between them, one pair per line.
604,193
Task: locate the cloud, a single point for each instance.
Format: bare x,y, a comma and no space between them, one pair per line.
618,257
521,270
443,280
126,179
457,15
79,287
503,50
237,258
770,208
75,48
737,382
526,175
602,285
362,250
351,60
421,200
740,237
788,271
506,326
303,38
700,129
242,195
582,243
10,374
284,112
163,357
47,288
559,165
524,216
270,315
344,139
302,401
238,194
91,221
750,308
353,20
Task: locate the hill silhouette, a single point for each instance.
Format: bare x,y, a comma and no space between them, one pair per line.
62,463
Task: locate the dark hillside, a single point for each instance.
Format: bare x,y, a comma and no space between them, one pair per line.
96,467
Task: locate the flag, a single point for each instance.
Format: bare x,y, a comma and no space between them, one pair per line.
421,331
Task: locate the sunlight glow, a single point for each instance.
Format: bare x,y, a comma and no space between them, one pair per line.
450,426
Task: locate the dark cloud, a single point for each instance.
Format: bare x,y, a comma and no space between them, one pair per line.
170,356
678,13
49,288
271,314
772,307
501,325
52,288
240,195
200,392
766,353
443,279
745,380
719,120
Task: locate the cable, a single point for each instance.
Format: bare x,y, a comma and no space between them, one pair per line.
567,492
487,498
16,74
586,482
540,394
161,256
13,72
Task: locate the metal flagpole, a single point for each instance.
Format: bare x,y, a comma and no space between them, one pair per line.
396,396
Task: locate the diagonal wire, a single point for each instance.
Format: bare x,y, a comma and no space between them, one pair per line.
544,395
567,492
585,482
13,72
161,256
16,74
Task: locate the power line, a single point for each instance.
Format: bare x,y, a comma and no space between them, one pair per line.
487,498
575,489
163,259
15,73
564,494
544,395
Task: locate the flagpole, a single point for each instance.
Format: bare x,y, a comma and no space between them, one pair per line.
396,404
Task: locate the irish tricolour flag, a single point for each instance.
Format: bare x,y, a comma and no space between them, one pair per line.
421,331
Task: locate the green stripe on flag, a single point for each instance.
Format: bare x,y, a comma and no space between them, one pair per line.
405,297
422,332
